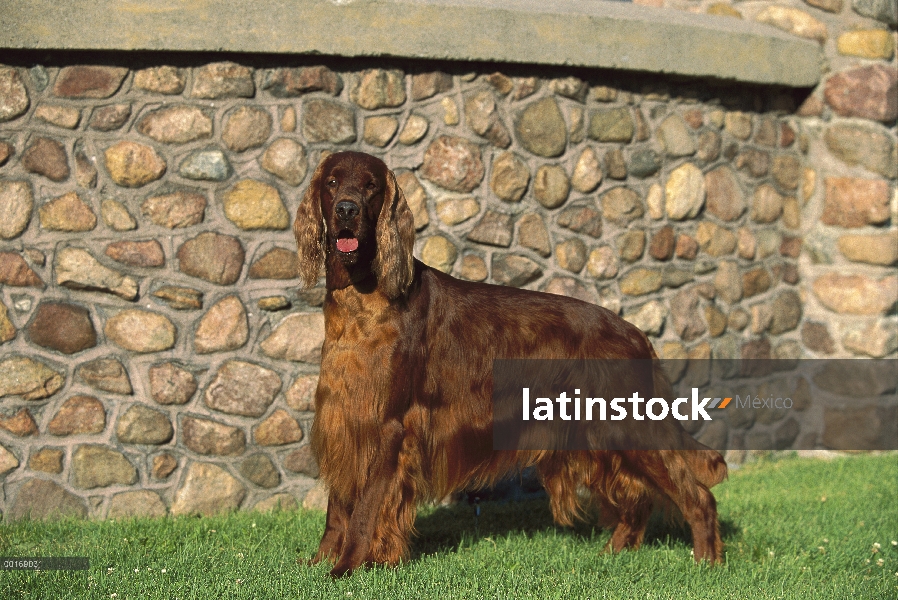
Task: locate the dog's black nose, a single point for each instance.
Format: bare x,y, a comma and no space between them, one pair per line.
346,210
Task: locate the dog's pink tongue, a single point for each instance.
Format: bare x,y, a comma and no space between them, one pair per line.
347,244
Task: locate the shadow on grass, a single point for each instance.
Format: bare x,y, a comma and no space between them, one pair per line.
443,529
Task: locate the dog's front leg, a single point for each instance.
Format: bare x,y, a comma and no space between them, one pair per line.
367,511
334,530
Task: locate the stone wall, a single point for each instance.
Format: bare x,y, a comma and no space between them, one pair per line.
157,356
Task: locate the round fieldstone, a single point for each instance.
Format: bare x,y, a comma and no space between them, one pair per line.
661,246
137,254
39,499
301,393
61,116
453,163
116,216
571,255
509,177
223,80
644,163
246,128
621,205
214,257
864,146
649,317
176,210
855,202
483,117
551,186
64,327
613,125
723,196
16,204
7,329
242,388
615,164
675,137
293,82
379,130
427,85
110,118
794,21
302,461
755,162
767,205
180,298
316,498
277,430
786,312
325,121
98,466
541,129
205,165
252,204
45,460
137,503
78,415
414,130
602,263
873,249
142,425
21,424
582,219
378,88
85,171
224,327
164,465
13,94
286,159
88,81
28,378
685,316
259,469
532,233
439,253
494,228
708,146
131,164
587,172
277,263
473,268
277,502
869,92
856,294
207,490
212,438
171,384
166,80
457,210
78,269
787,172
67,213
141,331
876,340
298,337
47,157
684,192
14,271
631,245
176,124
514,270
107,374
715,240
640,281
755,281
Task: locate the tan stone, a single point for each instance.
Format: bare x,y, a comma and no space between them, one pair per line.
45,460
20,424
245,128
278,429
137,503
61,116
684,192
99,466
878,339
131,164
854,202
715,240
78,415
767,205
794,21
252,204
621,205
640,281
587,172
509,177
602,263
297,338
142,425
224,327
871,248
212,438
631,245
649,317
551,186
207,490
414,129
286,159
571,255
171,384
532,233
175,210
161,80
728,282
473,268
856,294
457,210
439,253
176,124
16,204
116,216
867,43
301,393
737,124
223,80
7,329
67,213
379,88
140,331
78,269
450,111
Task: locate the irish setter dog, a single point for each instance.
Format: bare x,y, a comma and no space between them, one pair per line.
403,405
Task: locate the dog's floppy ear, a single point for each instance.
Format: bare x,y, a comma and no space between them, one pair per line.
394,263
309,231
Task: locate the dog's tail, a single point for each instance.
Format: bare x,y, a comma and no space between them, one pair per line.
707,465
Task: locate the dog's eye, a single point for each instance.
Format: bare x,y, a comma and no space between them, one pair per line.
332,182
371,186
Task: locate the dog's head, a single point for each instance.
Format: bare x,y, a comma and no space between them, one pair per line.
355,220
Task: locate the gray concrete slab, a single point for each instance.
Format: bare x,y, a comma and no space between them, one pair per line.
582,33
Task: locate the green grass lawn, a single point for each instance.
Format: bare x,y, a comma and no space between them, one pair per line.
792,528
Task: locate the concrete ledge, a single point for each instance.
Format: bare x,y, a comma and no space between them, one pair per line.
581,33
